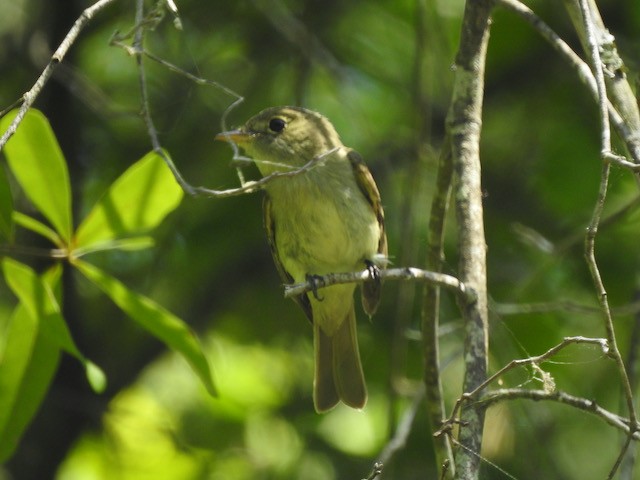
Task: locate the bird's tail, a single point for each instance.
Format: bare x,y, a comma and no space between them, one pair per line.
338,370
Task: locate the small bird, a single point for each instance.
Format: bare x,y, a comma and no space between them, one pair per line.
326,219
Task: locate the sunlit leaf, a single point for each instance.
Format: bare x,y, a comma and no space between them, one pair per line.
127,244
27,367
6,208
36,226
154,318
35,158
137,202
38,299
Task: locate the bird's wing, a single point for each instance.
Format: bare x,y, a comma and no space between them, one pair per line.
368,186
269,226
370,290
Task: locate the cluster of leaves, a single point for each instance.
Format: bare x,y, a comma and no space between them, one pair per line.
36,333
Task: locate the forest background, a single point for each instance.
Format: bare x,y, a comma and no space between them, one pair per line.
383,73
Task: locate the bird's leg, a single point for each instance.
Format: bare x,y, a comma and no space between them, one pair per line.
316,282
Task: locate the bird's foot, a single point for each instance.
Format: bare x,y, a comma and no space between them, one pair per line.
374,271
316,282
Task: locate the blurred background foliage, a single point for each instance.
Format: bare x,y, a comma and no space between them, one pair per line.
381,71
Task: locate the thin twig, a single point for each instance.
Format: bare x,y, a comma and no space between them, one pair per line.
536,360
630,137
138,51
431,310
58,56
376,471
595,220
116,40
407,273
583,404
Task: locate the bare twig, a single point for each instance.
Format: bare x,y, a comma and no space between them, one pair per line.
536,361
619,89
138,51
117,40
407,273
431,310
584,404
58,56
595,220
630,136
376,471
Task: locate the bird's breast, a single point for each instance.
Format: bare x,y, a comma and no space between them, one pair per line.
323,224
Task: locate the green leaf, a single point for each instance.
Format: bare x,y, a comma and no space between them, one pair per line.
154,318
126,244
6,208
36,226
137,202
35,158
27,366
38,299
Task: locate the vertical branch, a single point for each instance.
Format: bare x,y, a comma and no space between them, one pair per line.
594,52
431,310
464,124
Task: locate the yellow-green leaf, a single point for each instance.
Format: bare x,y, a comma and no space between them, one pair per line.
40,303
155,319
35,158
136,203
29,361
36,226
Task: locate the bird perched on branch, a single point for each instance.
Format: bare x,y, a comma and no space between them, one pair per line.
325,218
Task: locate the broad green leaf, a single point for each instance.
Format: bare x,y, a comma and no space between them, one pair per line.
137,202
6,208
35,158
38,299
27,368
36,226
154,318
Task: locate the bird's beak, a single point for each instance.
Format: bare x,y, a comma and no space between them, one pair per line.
236,136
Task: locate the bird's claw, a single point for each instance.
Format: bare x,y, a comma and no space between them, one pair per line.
374,270
316,282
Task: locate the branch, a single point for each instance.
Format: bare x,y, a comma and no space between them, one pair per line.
535,361
628,133
58,56
376,471
408,273
589,406
595,220
463,125
620,92
137,50
431,311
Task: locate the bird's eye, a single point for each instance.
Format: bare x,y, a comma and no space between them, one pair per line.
277,124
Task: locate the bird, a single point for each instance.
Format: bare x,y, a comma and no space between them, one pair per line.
325,218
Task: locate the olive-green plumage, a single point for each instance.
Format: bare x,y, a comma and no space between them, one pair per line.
327,219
